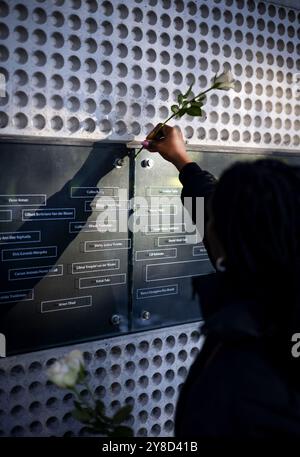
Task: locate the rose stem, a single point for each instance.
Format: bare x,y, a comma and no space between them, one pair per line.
172,115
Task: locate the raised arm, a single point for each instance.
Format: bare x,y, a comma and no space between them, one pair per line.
196,182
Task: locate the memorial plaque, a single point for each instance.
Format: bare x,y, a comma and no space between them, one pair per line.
53,291
164,260
81,242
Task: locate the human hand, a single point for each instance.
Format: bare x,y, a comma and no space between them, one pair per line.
169,142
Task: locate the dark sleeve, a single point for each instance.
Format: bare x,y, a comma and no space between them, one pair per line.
196,183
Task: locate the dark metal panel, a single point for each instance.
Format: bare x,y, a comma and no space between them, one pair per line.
61,278
216,162
165,257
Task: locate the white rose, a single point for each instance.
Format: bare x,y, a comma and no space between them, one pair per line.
65,372
75,359
224,81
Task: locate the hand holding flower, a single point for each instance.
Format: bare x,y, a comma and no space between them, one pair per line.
191,105
170,144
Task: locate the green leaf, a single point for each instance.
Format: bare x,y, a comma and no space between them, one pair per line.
188,91
84,415
197,104
201,98
121,431
100,407
186,104
93,431
180,113
82,375
100,425
194,111
180,99
122,414
174,108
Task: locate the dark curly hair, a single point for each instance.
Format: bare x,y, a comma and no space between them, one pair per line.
256,211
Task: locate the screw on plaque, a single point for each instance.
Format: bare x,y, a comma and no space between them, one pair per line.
147,163
118,163
115,319
145,315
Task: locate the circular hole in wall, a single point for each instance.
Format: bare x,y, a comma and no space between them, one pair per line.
20,120
105,126
20,33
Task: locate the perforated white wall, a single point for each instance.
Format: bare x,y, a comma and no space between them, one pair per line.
145,370
100,69
110,70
